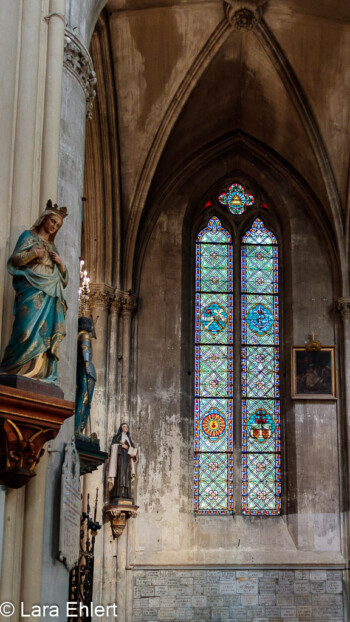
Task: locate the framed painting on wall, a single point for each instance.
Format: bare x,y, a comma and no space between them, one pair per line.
313,373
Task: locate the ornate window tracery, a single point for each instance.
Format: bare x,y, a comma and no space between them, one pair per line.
257,356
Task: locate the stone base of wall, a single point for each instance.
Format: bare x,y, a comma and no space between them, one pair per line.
238,595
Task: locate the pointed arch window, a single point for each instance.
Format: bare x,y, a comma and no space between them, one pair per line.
255,358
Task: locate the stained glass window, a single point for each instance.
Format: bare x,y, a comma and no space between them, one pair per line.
261,471
236,199
213,486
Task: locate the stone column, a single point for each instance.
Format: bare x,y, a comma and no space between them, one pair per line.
101,299
53,88
77,96
23,141
343,306
128,308
77,91
10,584
109,587
113,364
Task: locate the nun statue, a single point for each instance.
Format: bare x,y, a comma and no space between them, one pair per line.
121,465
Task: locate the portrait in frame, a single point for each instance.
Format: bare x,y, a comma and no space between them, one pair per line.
313,373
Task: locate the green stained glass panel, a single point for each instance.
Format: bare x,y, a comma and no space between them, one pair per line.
215,371
261,483
259,370
214,267
260,263
213,482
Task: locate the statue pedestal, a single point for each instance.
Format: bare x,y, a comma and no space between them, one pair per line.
31,413
33,386
89,452
118,512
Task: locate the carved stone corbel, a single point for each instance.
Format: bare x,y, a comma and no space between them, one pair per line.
119,514
78,62
343,307
244,14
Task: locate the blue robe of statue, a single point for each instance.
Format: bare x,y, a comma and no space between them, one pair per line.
39,310
86,378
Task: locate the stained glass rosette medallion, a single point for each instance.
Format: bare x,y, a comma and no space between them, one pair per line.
261,464
236,199
213,471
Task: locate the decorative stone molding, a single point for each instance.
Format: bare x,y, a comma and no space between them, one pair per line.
343,306
244,15
101,296
78,62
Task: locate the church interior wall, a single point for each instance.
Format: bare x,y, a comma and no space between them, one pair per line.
185,101
166,534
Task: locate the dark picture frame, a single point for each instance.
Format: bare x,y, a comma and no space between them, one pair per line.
314,373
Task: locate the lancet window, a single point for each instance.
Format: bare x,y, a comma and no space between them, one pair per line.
254,357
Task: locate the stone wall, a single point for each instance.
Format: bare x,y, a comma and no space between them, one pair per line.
238,595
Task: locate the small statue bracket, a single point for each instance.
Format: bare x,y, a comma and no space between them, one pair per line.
313,344
118,513
91,457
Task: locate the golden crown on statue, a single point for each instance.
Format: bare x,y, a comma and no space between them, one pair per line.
60,211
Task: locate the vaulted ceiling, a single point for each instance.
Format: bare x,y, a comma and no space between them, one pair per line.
184,77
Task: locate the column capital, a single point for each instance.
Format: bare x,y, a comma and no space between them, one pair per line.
243,14
78,62
127,301
343,306
101,296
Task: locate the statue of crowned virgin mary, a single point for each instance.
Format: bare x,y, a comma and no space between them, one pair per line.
39,280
